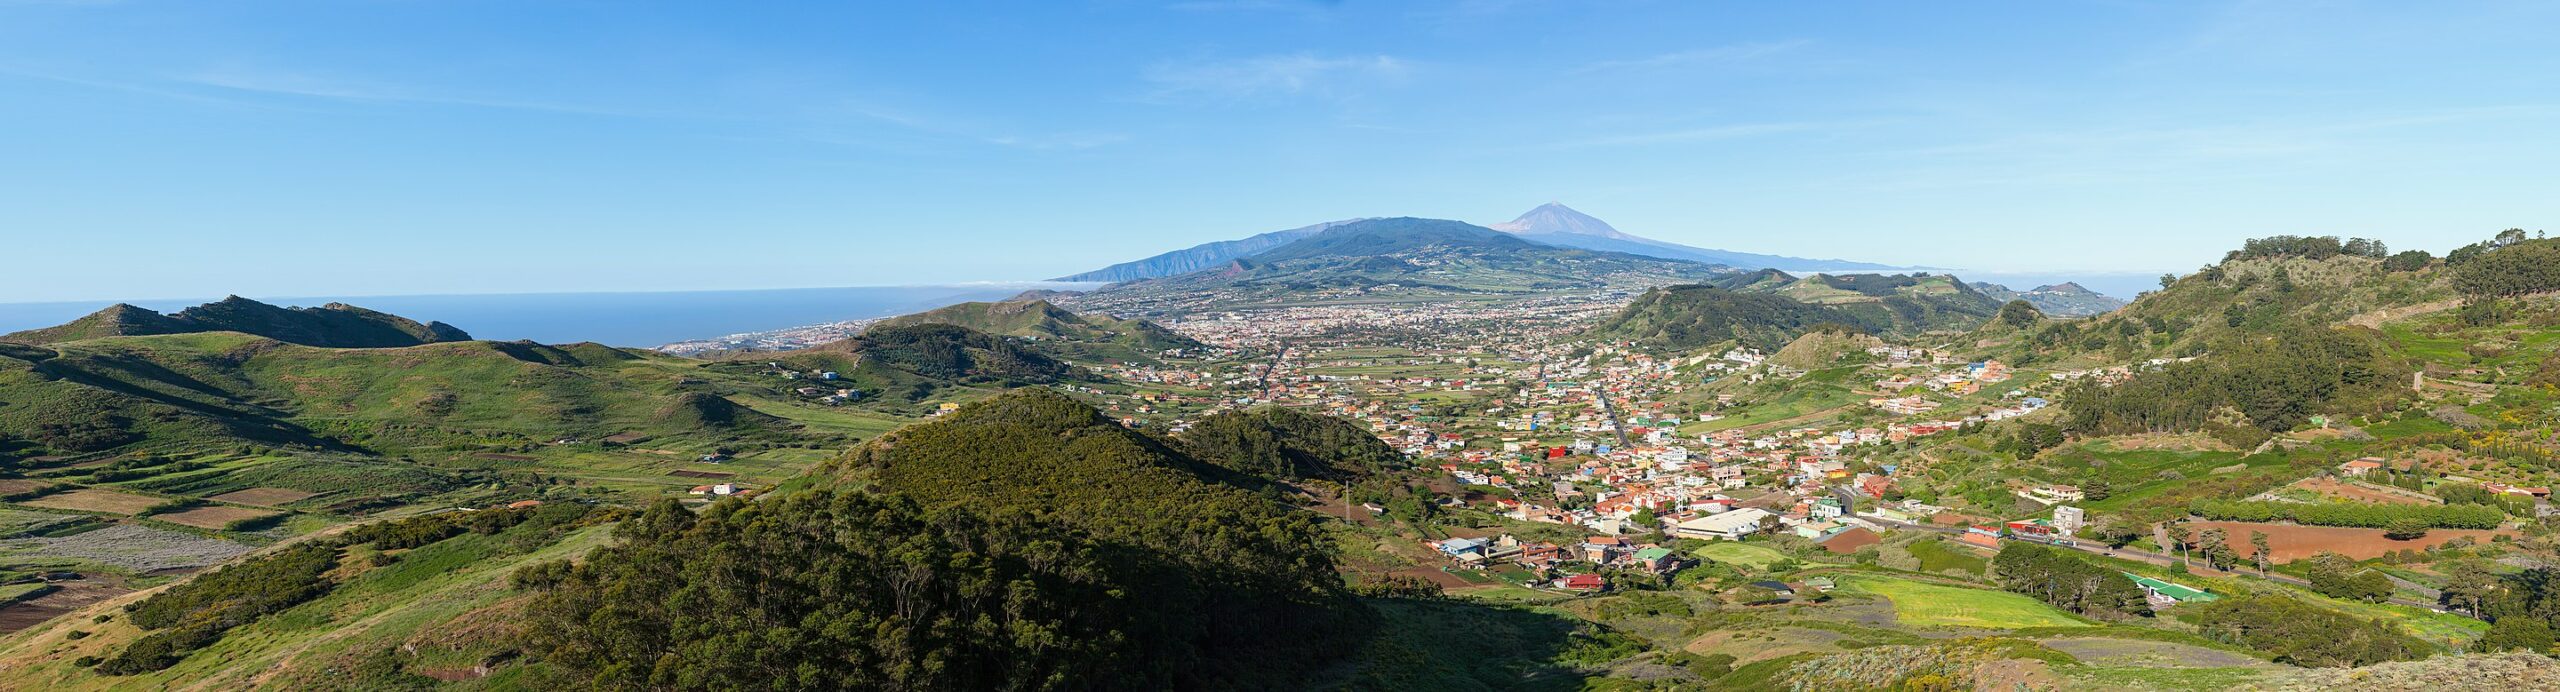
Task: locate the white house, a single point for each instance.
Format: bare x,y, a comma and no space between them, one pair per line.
1728,526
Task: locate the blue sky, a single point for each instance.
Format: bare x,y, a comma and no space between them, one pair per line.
342,147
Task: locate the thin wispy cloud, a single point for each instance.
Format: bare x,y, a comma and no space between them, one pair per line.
1255,5
1718,55
116,85
1693,134
967,129
2261,150
341,89
1274,76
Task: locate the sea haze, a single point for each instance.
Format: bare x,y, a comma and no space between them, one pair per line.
618,319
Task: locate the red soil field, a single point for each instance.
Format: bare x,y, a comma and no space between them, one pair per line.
2292,542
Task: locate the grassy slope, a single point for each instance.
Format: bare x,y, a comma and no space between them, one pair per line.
431,596
1920,604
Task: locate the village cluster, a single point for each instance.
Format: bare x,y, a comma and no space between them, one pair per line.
1611,443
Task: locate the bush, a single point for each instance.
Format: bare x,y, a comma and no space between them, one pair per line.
2337,576
2300,633
2516,634
2068,582
2408,261
196,613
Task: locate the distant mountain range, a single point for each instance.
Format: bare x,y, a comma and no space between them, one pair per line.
1402,257
1202,256
2064,299
1549,224
336,325
1557,224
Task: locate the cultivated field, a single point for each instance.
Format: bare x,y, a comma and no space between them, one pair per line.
1740,554
2292,542
134,547
1930,605
13,486
264,497
2332,488
213,517
95,500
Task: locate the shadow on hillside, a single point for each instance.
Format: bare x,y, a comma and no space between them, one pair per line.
1462,645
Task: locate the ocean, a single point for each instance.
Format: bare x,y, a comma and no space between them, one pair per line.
619,319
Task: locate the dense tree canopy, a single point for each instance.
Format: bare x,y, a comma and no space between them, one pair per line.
2307,247
2275,382
1250,578
2517,268
2301,633
2357,514
2068,582
1288,445
833,590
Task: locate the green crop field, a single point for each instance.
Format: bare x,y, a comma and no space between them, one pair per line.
1730,552
1930,605
1937,557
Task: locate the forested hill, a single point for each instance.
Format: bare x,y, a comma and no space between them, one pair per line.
1220,586
336,325
1039,319
1768,309
1690,317
1288,445
951,352
2290,327
2268,286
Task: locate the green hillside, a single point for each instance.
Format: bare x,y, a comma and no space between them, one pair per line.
1693,317
1289,445
335,325
1054,329
1768,309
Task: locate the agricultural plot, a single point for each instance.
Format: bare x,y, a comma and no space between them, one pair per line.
1729,552
264,497
1920,604
337,477
217,517
13,486
2292,542
2333,489
129,546
97,500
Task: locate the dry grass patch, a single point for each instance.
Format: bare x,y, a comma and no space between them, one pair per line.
97,500
214,517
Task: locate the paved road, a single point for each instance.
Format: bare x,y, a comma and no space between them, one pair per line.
2157,559
1612,412
1264,391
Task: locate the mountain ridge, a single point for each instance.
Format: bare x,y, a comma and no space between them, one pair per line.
1556,224
1202,256
2066,299
335,325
